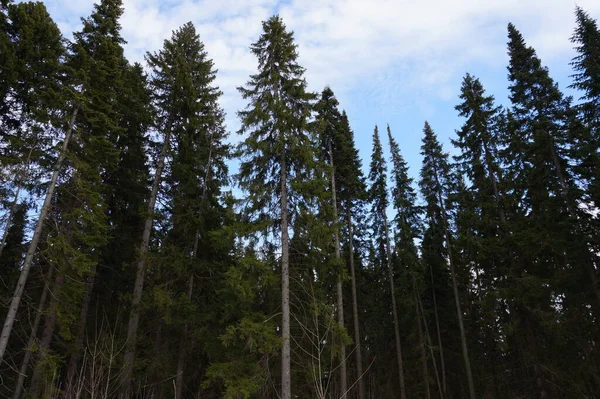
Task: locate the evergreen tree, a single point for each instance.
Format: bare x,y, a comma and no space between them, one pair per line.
381,231
277,153
482,232
435,187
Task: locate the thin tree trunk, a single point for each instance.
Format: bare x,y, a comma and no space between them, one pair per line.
422,347
134,317
286,378
394,309
47,335
428,337
32,337
439,333
340,292
358,353
461,326
183,346
16,299
83,314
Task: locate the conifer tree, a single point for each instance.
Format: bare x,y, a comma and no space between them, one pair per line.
585,141
379,200
541,182
276,153
352,194
484,245
435,180
40,45
329,125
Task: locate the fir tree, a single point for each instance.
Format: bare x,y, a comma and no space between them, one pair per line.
381,231
435,187
277,152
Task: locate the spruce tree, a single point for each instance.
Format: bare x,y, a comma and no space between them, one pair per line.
435,181
276,153
379,202
482,243
329,125
38,41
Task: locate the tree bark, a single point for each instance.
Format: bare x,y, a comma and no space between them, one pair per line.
428,337
339,288
461,326
134,317
183,346
47,335
16,299
439,333
394,309
358,350
83,314
422,347
32,337
286,378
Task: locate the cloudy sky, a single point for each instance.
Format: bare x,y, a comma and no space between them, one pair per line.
388,61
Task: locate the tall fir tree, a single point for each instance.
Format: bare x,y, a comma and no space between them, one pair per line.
435,188
277,153
381,230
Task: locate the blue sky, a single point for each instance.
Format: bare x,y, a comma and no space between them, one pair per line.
388,61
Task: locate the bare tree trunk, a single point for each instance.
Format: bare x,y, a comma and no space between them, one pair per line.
461,326
422,347
134,317
357,341
83,314
16,299
394,309
339,289
32,337
428,337
439,333
183,346
286,377
47,335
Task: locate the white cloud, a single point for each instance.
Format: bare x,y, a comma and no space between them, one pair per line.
384,48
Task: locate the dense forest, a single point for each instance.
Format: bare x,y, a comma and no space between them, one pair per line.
134,263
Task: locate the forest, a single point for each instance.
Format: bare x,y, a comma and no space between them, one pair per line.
136,263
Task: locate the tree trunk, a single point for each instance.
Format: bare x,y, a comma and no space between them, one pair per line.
47,335
16,299
134,317
394,309
83,314
422,347
428,337
32,337
183,346
358,353
286,377
439,333
339,288
461,326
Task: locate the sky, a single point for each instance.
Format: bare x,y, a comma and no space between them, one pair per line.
396,62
